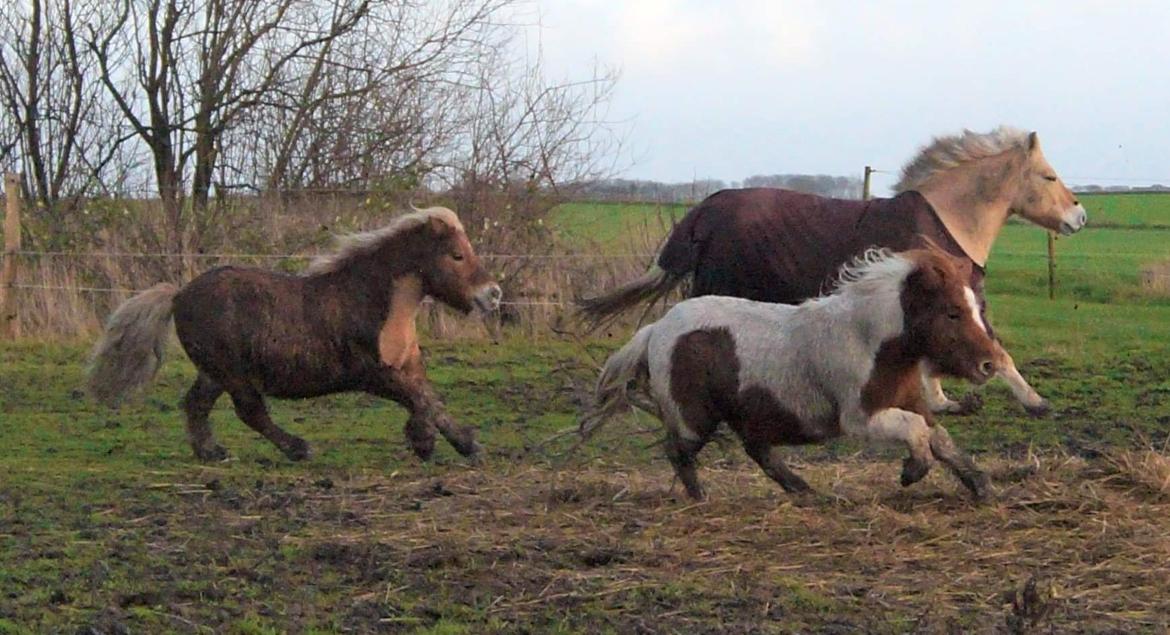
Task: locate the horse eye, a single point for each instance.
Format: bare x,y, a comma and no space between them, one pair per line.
1050,178
954,314
456,255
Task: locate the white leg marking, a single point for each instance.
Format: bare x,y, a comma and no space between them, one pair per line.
936,399
1023,392
895,424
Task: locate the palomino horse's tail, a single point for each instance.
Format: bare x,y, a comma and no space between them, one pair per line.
628,365
130,350
650,287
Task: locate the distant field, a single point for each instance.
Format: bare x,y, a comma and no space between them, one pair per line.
1131,208
1099,264
607,223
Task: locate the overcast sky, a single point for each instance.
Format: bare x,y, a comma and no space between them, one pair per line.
729,88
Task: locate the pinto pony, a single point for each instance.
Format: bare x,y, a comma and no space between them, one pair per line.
777,245
841,365
347,324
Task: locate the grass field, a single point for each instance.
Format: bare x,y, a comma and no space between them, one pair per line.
108,525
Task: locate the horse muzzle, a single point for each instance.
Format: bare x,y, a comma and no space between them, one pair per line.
1074,220
488,297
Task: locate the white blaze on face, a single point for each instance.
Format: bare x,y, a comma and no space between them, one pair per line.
973,304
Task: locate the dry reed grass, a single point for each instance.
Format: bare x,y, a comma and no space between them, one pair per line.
1069,544
68,295
1155,278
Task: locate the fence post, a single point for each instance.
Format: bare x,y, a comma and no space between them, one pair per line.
9,325
1051,266
865,183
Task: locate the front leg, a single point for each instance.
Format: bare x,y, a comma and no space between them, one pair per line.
410,387
960,464
895,424
1036,405
938,401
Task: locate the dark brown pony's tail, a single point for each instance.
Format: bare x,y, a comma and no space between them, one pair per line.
649,287
130,350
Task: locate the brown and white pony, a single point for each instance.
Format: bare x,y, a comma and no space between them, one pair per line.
347,324
777,245
846,364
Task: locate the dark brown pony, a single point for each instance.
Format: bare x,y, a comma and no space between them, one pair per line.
777,245
346,325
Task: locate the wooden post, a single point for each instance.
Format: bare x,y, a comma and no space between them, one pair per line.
9,325
865,184
1051,266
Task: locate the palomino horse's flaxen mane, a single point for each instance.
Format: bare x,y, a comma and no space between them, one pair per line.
944,153
364,243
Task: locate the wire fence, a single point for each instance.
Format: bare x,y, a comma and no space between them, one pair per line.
646,256
88,275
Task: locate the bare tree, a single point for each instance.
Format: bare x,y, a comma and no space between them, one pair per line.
64,142
182,73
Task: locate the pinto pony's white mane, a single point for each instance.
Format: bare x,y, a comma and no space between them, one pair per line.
360,244
944,153
874,273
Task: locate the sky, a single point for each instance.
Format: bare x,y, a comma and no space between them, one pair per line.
730,88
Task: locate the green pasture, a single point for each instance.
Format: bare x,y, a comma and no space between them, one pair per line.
1129,208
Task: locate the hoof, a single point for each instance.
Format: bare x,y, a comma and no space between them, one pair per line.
979,485
467,446
422,442
423,450
810,498
211,454
1039,410
297,450
913,470
475,455
970,404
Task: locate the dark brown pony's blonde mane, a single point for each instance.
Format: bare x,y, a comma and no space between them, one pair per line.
947,152
361,244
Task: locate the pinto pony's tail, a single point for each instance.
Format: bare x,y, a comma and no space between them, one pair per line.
650,287
130,350
628,365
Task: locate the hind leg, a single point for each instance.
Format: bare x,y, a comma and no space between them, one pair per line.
681,453
197,404
250,408
768,457
687,430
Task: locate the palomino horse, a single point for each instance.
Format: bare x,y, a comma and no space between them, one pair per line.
347,324
845,364
781,246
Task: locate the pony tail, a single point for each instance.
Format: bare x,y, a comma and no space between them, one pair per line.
628,364
130,350
652,286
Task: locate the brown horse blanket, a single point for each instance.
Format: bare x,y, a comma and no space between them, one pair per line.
778,245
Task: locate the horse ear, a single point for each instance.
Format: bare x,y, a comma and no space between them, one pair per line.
1033,141
438,226
929,275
